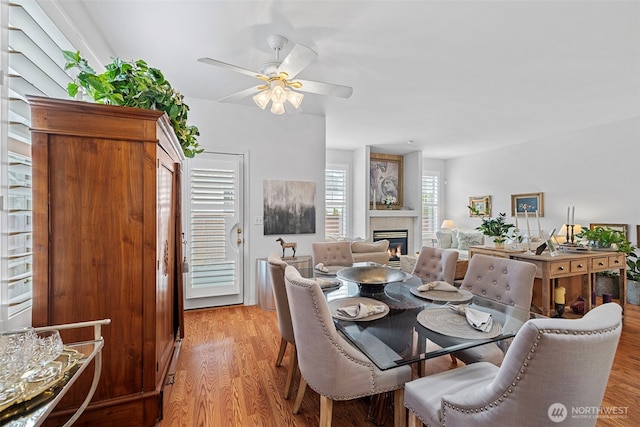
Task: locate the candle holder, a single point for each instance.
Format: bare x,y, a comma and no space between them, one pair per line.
529,251
572,235
559,310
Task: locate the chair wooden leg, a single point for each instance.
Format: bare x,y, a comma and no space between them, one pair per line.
326,411
301,389
399,411
293,367
454,360
283,347
414,421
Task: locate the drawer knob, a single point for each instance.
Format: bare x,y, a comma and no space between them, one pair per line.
579,265
561,268
616,262
600,264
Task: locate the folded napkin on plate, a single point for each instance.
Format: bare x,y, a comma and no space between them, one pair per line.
327,283
321,267
360,311
477,319
437,286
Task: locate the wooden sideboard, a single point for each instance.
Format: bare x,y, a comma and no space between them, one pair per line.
106,238
549,269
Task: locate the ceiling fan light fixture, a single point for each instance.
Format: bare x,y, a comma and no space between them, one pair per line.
278,93
295,98
277,108
262,99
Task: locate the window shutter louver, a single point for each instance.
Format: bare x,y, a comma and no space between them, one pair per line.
429,205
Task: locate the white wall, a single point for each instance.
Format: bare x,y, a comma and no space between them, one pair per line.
287,147
597,170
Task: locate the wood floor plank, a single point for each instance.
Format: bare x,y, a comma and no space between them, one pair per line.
226,376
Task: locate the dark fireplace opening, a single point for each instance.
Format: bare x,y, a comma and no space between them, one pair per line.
398,242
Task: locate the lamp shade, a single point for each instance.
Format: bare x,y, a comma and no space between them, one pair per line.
448,224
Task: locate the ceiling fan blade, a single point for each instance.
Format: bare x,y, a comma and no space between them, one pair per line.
235,68
299,57
325,88
235,97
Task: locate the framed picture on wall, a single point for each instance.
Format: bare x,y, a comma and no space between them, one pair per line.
385,180
529,202
617,227
481,204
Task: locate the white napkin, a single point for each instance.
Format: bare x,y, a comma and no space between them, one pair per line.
360,311
327,283
477,319
437,286
321,267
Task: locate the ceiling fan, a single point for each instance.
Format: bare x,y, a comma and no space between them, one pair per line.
278,77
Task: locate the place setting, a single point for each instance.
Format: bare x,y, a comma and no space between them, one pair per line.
440,291
358,309
460,321
327,270
328,284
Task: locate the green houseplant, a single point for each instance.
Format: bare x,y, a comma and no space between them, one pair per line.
134,84
498,228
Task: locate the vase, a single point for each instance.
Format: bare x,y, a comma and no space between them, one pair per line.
498,245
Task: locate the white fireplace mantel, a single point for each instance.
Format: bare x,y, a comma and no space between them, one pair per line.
393,213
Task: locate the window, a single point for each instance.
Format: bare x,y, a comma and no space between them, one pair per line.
429,204
336,196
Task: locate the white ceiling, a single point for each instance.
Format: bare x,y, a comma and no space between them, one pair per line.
456,77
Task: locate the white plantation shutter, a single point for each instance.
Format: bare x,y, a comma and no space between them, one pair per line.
429,205
336,214
213,199
35,66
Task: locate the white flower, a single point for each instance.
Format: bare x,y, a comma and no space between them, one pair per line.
388,200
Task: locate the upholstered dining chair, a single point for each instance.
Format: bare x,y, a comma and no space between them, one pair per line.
436,264
277,268
332,253
552,367
504,280
329,364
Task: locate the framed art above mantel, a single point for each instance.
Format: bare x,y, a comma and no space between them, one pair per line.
385,180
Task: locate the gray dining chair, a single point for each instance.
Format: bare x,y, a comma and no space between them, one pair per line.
329,364
276,269
503,280
552,367
332,253
435,264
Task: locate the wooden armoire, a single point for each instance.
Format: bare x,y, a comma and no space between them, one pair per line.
106,238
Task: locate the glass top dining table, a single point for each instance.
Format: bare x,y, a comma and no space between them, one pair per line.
400,337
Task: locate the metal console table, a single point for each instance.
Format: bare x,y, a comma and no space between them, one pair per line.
91,350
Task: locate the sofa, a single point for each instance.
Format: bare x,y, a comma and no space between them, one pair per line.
366,251
459,241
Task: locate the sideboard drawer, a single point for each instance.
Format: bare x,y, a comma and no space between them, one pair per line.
599,264
560,268
616,261
579,266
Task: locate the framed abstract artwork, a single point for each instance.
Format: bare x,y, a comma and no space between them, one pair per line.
482,204
529,202
385,180
289,207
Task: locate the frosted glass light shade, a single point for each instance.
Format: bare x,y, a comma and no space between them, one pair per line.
277,108
263,98
295,98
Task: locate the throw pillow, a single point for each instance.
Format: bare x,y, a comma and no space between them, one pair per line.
469,239
445,239
454,239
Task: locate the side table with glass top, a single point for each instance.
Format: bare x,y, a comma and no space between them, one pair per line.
33,412
303,263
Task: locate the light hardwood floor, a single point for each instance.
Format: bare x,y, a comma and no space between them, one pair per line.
226,375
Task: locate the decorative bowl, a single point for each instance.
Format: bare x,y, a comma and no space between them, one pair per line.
372,279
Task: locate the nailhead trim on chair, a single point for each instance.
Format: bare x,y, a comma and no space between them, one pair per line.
337,346
507,392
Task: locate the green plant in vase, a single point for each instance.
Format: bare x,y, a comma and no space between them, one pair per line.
134,84
497,228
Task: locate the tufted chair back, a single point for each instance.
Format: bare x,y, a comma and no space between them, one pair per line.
332,253
436,264
554,366
276,268
329,364
505,280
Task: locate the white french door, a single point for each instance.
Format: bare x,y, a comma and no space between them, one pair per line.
214,235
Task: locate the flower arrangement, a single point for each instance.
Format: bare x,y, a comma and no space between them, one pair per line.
389,200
